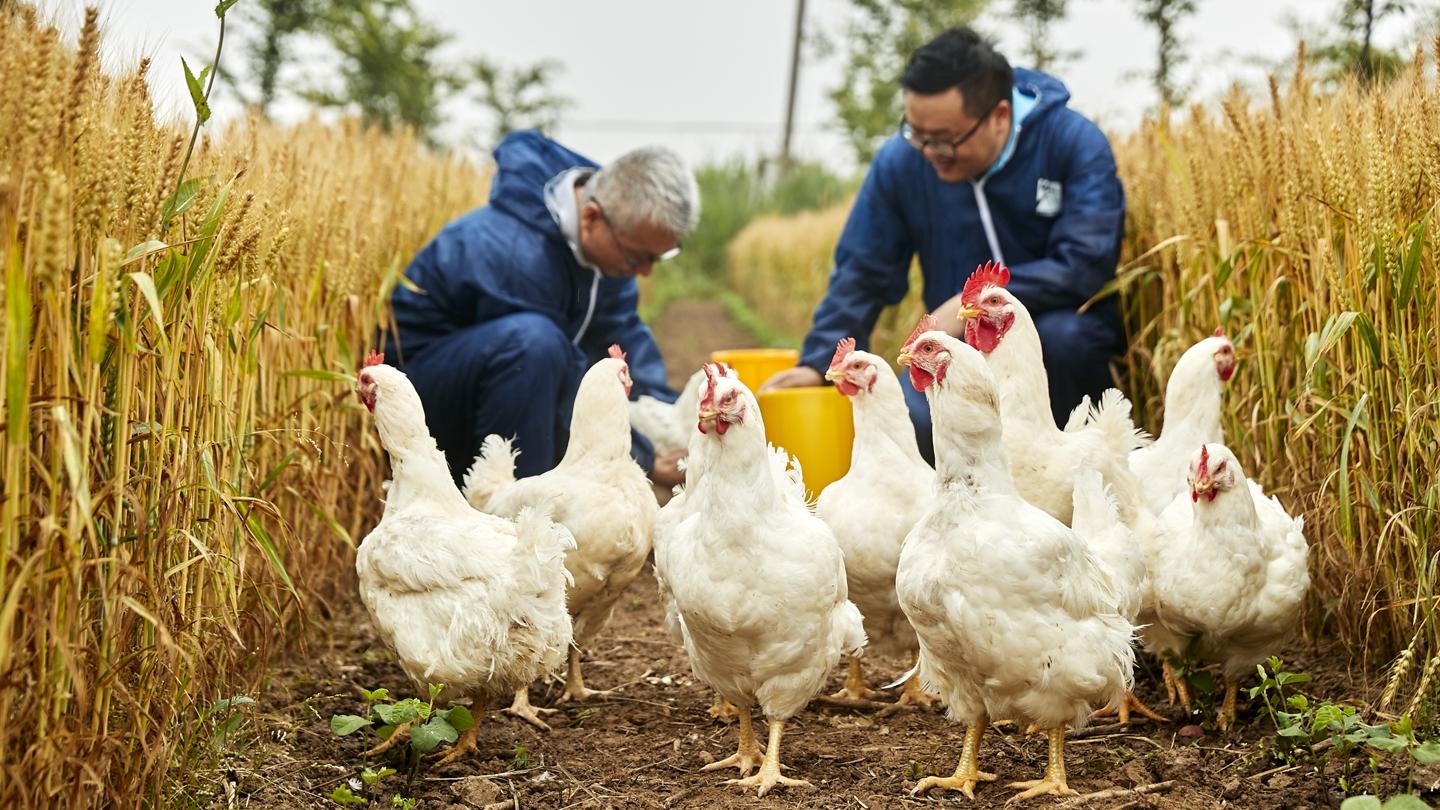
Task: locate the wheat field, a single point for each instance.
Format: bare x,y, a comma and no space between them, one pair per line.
184,466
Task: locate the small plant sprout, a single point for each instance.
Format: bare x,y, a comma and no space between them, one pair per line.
425,726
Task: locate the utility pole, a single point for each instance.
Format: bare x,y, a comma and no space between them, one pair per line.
794,81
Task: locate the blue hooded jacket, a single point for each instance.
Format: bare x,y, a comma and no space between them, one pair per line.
510,257
1051,208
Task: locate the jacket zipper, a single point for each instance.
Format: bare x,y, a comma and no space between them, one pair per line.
978,186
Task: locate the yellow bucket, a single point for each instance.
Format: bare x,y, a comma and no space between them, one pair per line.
815,426
755,366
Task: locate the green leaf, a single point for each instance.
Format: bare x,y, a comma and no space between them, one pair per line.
181,201
223,7
18,318
435,689
197,90
370,776
320,374
1389,745
426,738
396,713
379,694
1405,802
1361,803
459,717
1292,731
1426,752
1298,702
346,724
1410,263
267,547
1202,681
1287,678
146,284
143,249
226,704
342,796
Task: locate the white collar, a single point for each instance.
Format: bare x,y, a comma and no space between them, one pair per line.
560,200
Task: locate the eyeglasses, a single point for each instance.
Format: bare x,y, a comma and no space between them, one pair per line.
940,148
634,259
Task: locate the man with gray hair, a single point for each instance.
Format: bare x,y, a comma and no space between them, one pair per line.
517,299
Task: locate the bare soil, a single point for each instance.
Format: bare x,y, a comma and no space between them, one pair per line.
644,747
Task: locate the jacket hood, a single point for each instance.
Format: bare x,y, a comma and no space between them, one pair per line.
524,162
1049,92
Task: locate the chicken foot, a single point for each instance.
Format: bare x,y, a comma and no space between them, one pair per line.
522,709
967,771
722,709
466,743
855,694
1175,686
1053,783
397,735
769,775
747,756
912,695
1226,718
1128,705
575,689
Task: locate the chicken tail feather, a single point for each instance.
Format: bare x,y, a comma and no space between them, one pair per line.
494,468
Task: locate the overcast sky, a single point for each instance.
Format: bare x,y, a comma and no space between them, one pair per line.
709,78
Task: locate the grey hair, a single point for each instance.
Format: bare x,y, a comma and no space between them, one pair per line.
647,185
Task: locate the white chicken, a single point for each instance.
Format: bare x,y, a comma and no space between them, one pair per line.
757,581
1017,619
873,506
1192,418
598,492
1230,576
1044,459
466,599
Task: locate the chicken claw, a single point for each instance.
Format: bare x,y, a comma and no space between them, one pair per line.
522,709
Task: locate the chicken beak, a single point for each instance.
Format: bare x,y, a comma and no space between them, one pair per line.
904,359
968,312
834,375
1202,486
707,415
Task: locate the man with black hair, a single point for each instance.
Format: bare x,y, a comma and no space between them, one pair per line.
989,165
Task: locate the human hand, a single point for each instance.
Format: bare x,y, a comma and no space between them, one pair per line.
947,316
667,472
797,377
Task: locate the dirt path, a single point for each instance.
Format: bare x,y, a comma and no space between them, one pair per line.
643,747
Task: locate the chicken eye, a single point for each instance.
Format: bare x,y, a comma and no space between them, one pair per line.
857,365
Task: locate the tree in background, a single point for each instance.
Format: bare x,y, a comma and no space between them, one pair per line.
1038,16
389,67
520,98
277,23
1165,16
1352,51
876,44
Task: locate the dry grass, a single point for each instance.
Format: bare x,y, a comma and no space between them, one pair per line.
184,468
1305,224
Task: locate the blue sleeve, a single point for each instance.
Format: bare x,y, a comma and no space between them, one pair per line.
872,263
1084,243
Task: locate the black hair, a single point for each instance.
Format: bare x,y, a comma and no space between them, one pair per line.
960,58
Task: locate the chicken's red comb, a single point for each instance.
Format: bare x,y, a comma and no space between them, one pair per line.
927,324
842,351
1204,458
616,352
373,359
711,376
1219,331
987,274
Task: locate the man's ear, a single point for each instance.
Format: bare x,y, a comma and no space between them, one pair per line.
589,212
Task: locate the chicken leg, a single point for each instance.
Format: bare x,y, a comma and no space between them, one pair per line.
769,775
1226,719
747,755
466,743
854,694
522,709
912,695
1129,704
722,709
575,683
967,772
1175,686
397,735
1053,783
